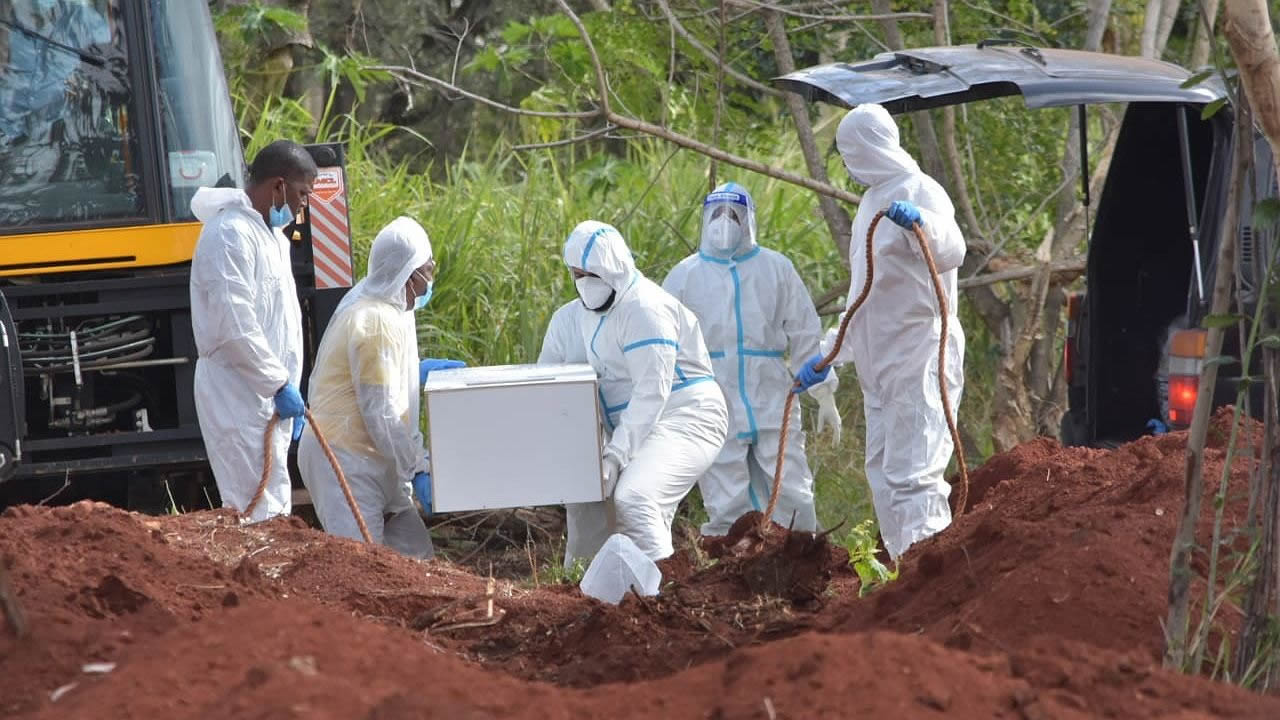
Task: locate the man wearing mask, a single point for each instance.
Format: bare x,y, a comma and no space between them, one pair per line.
755,314
665,414
365,398
248,326
893,339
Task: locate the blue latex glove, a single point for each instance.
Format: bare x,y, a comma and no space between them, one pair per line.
808,376
422,489
1157,427
426,366
905,214
289,402
298,423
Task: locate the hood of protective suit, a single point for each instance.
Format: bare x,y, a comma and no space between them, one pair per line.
209,201
867,139
598,248
737,200
399,248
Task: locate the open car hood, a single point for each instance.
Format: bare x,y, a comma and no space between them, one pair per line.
933,77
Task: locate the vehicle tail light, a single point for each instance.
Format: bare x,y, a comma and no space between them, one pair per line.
1186,358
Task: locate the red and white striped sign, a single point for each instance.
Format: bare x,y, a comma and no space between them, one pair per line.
330,230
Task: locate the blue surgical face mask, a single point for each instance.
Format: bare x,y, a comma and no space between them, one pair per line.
422,300
281,215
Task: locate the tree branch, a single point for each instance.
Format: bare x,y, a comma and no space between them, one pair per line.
711,55
420,79
567,141
1063,270
791,11
719,111
602,85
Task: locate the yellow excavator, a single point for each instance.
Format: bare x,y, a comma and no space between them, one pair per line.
112,114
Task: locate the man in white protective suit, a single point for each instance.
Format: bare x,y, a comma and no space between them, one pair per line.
664,412
248,326
365,398
893,339
756,315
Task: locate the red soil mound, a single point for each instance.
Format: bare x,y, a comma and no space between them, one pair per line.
1044,601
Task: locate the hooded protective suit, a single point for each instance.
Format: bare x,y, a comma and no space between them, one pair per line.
755,314
665,414
248,333
893,339
587,527
365,398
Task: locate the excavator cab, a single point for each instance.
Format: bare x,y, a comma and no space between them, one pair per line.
113,113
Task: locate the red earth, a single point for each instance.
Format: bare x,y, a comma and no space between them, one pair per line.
1044,600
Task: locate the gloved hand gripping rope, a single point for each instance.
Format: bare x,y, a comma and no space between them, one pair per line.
826,361
333,460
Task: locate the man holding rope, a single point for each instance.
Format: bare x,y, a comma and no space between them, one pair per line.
894,338
248,326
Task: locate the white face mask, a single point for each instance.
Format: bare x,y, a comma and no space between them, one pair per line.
595,293
724,235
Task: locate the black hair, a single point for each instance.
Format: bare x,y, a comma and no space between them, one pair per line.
282,158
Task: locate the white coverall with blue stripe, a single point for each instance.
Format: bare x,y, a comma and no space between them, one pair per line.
665,414
756,315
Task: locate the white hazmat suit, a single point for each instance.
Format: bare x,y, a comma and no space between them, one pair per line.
756,315
365,399
585,526
248,333
893,339
665,414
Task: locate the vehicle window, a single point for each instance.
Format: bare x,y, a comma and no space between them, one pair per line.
201,140
68,150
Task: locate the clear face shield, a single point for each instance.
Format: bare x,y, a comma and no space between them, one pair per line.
728,225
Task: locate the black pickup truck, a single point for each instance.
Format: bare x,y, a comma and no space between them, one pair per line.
1156,225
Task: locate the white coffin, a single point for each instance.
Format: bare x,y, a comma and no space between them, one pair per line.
513,436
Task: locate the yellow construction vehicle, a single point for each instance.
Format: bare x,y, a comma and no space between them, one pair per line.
112,114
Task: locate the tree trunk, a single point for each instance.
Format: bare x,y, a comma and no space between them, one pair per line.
1204,35
1247,26
1168,14
1180,572
1030,399
1248,29
959,184
1151,27
836,217
926,135
1257,605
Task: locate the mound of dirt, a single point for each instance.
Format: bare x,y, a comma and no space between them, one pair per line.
1043,601
1066,543
265,659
